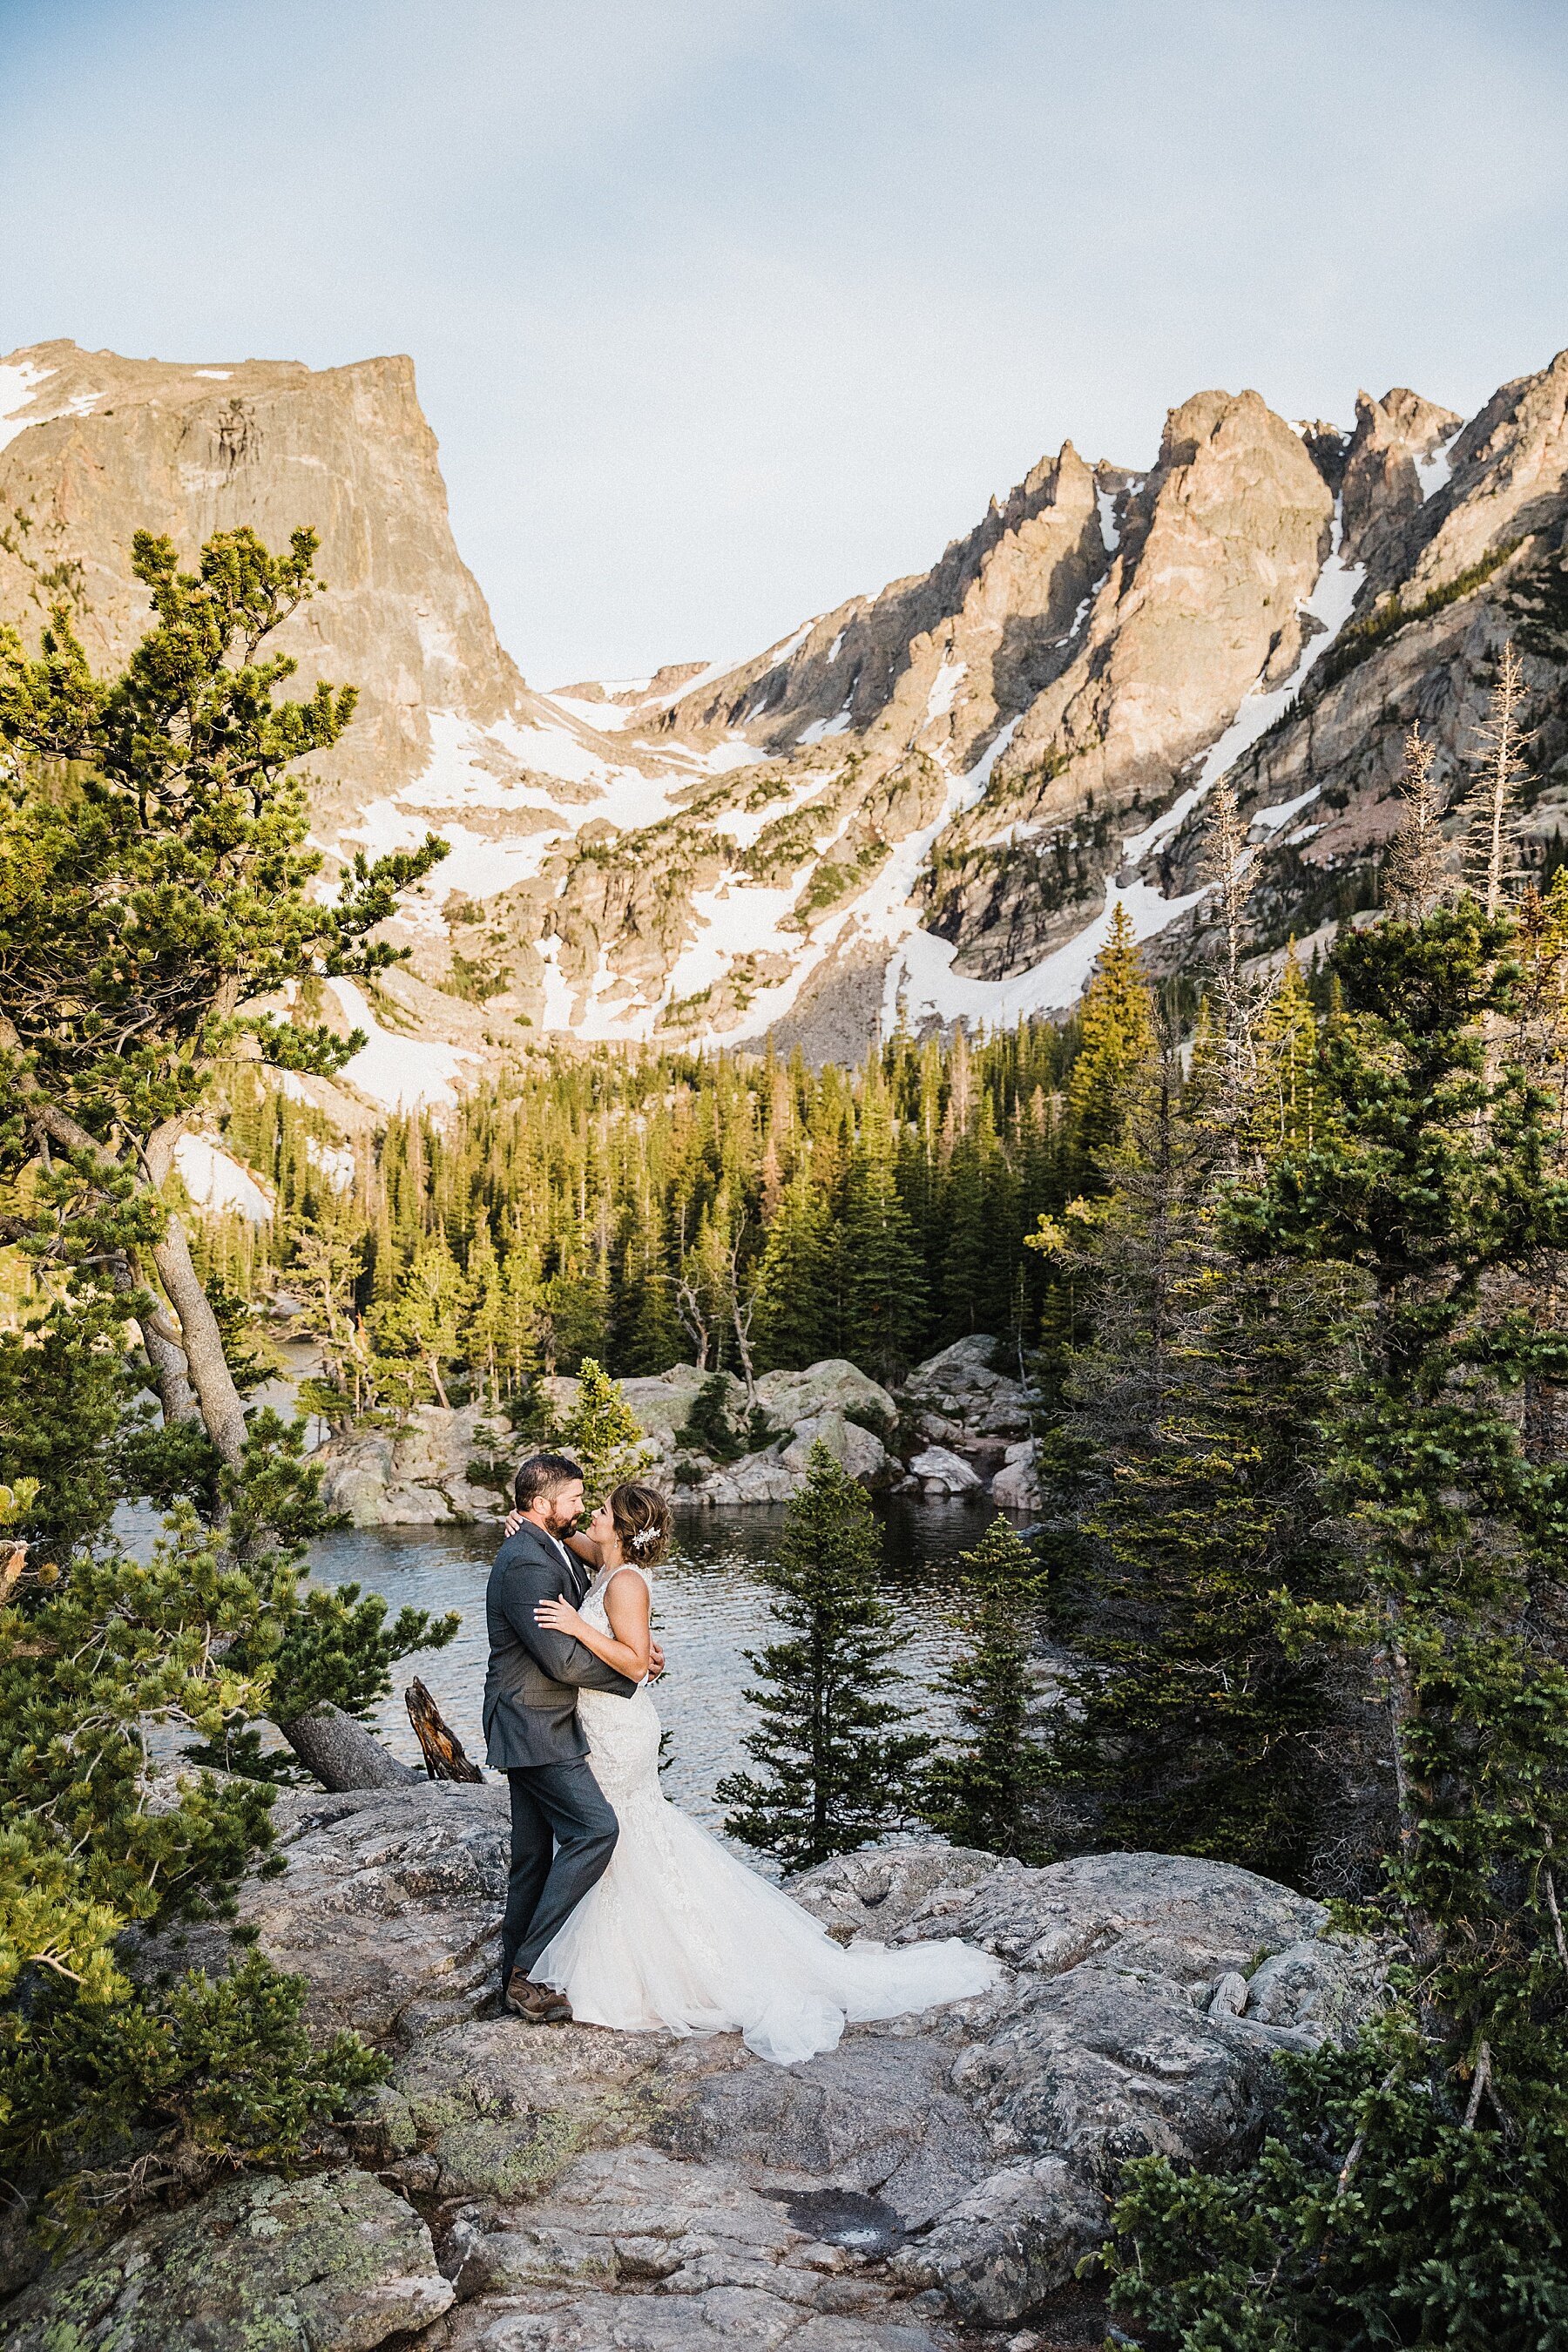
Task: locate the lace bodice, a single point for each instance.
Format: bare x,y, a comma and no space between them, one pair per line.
623,1732
592,1605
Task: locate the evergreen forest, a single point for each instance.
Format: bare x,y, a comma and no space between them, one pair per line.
1280,1252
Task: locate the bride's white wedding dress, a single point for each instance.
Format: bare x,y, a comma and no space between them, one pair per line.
679,1933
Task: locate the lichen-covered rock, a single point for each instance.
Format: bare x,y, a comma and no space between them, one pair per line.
833,1385
1001,2249
633,2248
334,2262
415,1476
489,2109
589,2189
389,1905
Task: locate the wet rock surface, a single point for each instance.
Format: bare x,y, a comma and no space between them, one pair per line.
934,2174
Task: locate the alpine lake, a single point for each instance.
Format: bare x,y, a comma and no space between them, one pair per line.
712,1605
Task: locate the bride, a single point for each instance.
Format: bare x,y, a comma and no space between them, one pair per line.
678,1933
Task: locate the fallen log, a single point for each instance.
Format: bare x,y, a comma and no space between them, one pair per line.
439,1743
342,1753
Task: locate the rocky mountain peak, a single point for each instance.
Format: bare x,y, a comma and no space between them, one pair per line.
930,797
98,448
1398,457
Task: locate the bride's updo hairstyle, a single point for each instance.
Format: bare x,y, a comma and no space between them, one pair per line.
642,1522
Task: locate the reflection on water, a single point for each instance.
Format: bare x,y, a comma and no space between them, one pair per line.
709,1605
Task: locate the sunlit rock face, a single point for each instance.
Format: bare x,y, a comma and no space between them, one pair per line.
582,2187
930,798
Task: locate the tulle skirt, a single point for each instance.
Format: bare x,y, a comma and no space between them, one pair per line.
679,1934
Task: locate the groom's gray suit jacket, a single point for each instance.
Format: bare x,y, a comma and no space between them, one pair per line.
534,1676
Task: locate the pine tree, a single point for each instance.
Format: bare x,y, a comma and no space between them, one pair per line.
416,1332
1117,1049
790,1318
833,1766
885,1287
1417,2187
601,1433
986,1790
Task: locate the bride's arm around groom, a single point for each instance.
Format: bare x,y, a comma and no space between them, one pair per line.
563,1830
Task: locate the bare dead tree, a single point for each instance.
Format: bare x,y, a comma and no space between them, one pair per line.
688,1307
741,1313
1417,877
1493,819
1239,995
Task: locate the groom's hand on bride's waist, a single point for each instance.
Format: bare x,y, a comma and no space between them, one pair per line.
654,1662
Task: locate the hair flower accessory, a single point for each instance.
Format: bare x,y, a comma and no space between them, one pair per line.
644,1537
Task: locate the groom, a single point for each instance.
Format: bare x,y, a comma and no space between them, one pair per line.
562,1830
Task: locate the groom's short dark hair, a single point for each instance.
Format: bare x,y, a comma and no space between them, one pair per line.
541,1474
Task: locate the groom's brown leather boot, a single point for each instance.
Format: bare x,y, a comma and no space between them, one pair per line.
537,2004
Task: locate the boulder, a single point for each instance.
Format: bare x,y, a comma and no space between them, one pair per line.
389,1905
1017,1485
763,1478
859,1452
951,2168
660,1403
335,2263
833,1385
412,1475
957,1397
941,1472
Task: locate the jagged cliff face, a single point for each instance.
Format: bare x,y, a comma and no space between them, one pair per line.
933,796
98,448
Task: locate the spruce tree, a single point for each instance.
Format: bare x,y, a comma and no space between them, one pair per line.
986,1789
601,1433
1415,2189
1191,1417
791,1321
1117,1048
885,1286
832,1764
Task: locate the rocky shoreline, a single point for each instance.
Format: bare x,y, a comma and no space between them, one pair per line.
565,2189
956,1426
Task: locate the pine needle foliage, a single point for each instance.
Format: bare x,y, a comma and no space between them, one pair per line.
984,1789
833,1765
1415,2189
1191,1729
601,1433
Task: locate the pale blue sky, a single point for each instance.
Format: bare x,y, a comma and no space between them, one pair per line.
723,310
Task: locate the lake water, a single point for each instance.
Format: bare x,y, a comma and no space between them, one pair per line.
710,1605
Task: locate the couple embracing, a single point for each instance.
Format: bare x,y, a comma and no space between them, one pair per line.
620,1910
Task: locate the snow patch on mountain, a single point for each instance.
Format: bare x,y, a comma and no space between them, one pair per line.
819,728
216,1181
399,1072
19,382
944,688
1436,467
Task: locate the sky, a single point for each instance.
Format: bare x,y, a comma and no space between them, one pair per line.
725,310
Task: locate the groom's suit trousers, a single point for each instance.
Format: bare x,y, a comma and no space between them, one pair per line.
562,1835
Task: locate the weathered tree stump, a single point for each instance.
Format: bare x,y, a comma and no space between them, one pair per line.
442,1748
